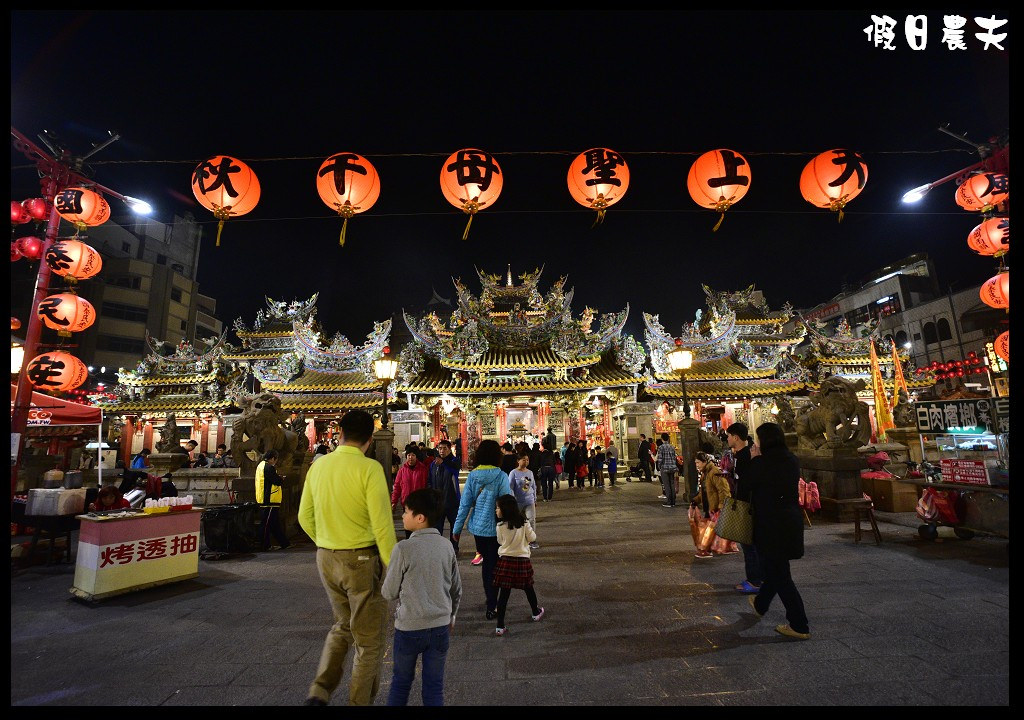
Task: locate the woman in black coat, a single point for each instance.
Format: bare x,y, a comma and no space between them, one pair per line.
774,477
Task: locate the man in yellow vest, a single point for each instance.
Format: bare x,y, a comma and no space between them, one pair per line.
268,495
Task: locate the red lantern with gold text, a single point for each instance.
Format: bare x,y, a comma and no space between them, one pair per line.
19,215
598,178
30,246
983,191
991,237
82,207
225,186
56,371
1002,346
995,292
66,313
348,184
833,178
37,208
717,180
471,180
73,259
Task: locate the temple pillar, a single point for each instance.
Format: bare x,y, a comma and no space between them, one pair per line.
689,441
383,441
204,437
221,433
127,436
147,436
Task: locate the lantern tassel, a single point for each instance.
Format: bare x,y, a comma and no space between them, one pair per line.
840,215
220,226
719,223
599,219
465,234
344,225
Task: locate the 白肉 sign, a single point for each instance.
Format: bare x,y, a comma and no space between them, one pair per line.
964,417
969,472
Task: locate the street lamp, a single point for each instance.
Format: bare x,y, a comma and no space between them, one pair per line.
994,157
680,360
385,369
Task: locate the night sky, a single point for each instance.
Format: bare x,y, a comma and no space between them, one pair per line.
282,91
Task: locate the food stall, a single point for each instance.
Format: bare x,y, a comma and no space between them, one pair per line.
971,439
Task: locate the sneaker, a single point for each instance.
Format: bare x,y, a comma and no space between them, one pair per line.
498,632
667,505
491,614
534,546
790,632
538,616
748,588
314,701
750,599
703,554
662,497
477,560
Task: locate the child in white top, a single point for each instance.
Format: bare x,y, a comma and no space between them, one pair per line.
514,569
523,485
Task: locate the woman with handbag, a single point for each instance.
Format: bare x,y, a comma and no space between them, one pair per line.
716,486
774,476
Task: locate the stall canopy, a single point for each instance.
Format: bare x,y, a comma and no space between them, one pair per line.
47,410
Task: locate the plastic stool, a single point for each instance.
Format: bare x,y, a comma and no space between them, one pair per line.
867,508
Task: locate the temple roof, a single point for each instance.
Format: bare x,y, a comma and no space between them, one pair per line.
725,389
317,380
330,402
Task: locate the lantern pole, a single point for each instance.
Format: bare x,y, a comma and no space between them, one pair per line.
55,176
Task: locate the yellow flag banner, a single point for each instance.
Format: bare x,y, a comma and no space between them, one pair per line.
899,382
883,414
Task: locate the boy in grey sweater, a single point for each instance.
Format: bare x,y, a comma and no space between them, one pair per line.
423,575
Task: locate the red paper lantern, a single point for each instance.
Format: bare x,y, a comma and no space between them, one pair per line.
833,178
226,186
38,208
30,246
19,215
995,292
983,191
82,207
992,237
73,258
348,184
718,179
471,180
598,178
56,371
1002,346
15,323
66,313
15,252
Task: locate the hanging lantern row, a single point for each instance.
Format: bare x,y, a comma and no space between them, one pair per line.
29,247
348,184
982,192
66,313
82,207
226,186
833,179
991,237
1002,346
598,178
73,259
471,180
56,371
27,210
995,292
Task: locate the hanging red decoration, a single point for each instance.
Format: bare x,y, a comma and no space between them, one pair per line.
833,178
37,208
348,184
66,313
598,178
82,207
19,215
56,371
30,246
15,252
995,292
73,259
983,192
1002,346
717,180
471,180
226,186
992,237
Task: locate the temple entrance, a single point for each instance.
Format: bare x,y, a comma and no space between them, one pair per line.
522,424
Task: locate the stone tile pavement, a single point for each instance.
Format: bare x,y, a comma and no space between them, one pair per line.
632,619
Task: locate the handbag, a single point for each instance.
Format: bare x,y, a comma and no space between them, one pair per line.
736,521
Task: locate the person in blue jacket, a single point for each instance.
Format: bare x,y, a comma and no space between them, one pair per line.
484,485
444,477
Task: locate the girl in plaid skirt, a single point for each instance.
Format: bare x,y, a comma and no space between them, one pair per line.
514,569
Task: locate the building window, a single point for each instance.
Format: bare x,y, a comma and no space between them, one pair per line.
126,247
161,259
930,336
176,294
121,344
127,281
917,336
184,324
891,306
901,338
124,312
944,333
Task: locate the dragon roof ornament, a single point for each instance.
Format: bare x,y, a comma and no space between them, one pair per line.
842,341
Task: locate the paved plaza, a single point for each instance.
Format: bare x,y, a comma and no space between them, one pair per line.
632,619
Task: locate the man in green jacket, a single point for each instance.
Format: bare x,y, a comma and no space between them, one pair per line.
346,511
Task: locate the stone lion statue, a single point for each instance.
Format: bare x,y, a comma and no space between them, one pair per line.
259,429
835,418
170,438
903,413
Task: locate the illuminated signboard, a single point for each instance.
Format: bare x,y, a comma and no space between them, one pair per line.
964,417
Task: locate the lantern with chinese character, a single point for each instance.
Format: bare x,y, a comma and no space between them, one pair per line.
37,208
991,237
66,313
995,292
82,207
19,215
225,186
1002,346
31,247
73,259
718,179
598,178
348,184
833,178
471,180
56,371
983,191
